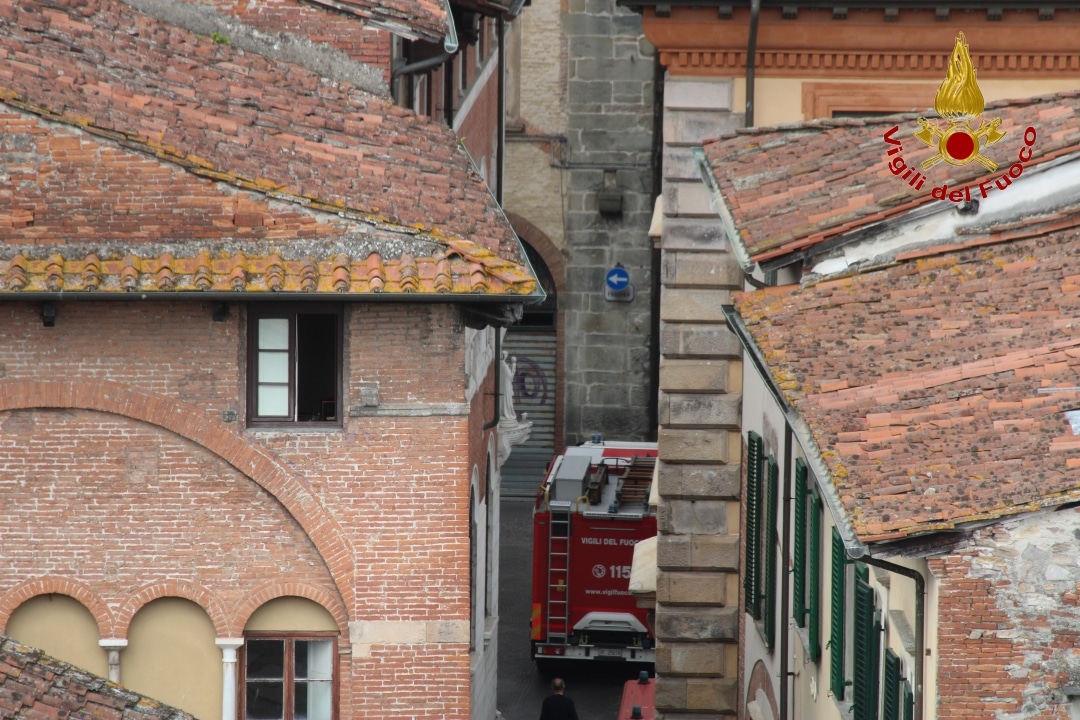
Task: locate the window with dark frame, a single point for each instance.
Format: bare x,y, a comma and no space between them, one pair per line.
289,677
295,366
806,560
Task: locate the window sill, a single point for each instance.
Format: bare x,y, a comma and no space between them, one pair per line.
297,428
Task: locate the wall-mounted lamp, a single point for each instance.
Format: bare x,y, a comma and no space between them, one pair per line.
48,314
221,311
609,199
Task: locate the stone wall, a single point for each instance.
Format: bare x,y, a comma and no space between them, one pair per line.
609,111
700,450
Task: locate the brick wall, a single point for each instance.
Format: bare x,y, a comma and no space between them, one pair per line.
1008,619
121,482
478,128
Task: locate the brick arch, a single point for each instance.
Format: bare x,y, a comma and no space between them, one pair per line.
542,244
761,679
329,602
201,596
556,265
53,584
188,421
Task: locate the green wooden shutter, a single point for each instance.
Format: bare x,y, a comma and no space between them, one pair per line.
754,452
816,513
909,702
836,634
890,701
867,633
798,575
770,553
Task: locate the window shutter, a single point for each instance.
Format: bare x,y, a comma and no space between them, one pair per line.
770,553
909,702
890,701
816,511
836,634
798,579
753,491
867,632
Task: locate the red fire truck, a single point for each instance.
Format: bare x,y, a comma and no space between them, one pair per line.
591,510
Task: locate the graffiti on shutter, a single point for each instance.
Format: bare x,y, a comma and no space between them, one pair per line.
534,394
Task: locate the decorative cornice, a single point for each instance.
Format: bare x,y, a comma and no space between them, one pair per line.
693,41
914,65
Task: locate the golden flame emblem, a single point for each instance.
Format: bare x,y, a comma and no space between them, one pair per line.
959,101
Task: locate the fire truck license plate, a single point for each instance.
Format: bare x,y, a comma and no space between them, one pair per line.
609,652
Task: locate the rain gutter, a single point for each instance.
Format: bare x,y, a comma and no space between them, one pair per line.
450,42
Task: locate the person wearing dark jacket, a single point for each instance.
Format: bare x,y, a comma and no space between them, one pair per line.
557,706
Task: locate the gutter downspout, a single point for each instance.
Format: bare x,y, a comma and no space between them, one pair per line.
853,546
500,130
751,56
920,621
450,42
420,65
785,553
656,251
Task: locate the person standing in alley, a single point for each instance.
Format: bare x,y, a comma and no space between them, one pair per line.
556,705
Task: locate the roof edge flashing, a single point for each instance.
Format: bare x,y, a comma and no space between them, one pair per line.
716,202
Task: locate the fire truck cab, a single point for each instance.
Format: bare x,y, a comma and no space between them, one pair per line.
591,510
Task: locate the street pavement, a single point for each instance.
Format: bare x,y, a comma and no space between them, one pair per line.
595,690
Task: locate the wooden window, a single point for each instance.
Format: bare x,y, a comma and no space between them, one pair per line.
751,580
891,689
799,610
866,642
817,516
294,366
289,677
769,542
838,569
806,563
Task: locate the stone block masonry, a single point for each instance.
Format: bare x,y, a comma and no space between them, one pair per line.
609,112
697,612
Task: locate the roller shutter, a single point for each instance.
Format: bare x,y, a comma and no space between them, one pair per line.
534,393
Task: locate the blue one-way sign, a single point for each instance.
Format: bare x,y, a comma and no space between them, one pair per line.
617,278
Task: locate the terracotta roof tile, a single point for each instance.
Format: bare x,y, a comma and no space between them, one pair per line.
313,159
796,186
458,269
417,18
33,684
958,413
